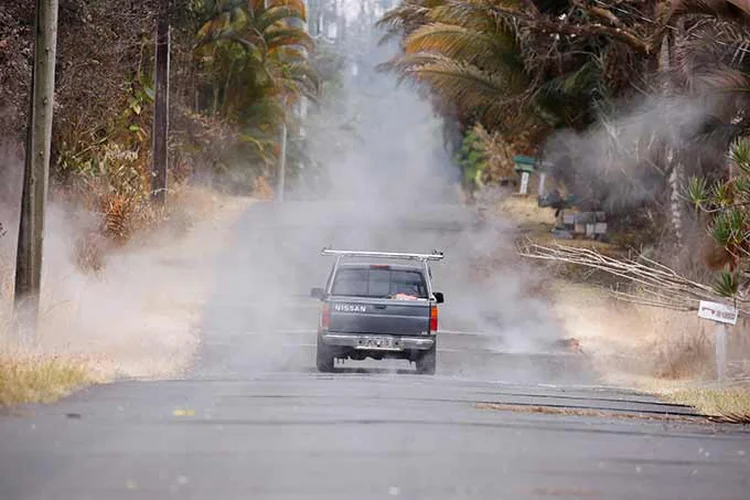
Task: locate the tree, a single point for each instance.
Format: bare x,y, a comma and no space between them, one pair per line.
256,66
726,205
553,64
537,66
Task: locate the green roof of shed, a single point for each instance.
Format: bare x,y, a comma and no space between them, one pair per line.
524,164
524,160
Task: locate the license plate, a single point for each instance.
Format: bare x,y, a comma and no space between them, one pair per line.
384,343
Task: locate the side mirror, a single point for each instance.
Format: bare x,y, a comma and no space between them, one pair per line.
439,297
317,293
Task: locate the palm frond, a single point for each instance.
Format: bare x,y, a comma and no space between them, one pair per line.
298,5
740,155
214,28
278,37
489,51
697,191
477,14
727,284
469,88
734,10
277,14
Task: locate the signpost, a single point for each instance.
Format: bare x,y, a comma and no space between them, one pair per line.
527,166
723,315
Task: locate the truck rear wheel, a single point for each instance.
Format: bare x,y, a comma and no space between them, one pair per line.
323,357
426,362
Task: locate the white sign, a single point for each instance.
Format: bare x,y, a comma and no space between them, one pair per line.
717,312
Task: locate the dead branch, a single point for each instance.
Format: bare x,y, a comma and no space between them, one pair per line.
550,26
660,286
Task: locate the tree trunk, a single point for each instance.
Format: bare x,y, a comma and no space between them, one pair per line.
161,111
676,184
675,167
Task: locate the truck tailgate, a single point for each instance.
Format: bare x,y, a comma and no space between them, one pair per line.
379,316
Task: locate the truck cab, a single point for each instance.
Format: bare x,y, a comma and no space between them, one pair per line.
378,305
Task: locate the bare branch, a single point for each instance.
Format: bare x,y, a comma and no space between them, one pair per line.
660,286
587,30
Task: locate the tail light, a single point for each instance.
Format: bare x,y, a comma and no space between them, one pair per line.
433,318
325,317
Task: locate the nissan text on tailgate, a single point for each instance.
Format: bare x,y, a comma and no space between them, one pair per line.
378,305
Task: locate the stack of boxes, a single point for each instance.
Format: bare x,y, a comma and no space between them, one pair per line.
592,225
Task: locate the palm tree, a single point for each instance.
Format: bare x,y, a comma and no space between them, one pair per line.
539,64
272,47
511,64
256,57
707,59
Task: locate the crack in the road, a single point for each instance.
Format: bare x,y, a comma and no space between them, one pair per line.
707,427
593,411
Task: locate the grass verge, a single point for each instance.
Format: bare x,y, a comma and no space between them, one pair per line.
730,404
39,379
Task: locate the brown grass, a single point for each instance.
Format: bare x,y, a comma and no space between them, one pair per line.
682,353
89,252
724,404
643,341
262,190
27,378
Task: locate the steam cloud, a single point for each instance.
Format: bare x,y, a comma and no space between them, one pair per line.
621,163
391,186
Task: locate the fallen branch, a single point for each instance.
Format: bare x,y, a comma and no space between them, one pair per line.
660,286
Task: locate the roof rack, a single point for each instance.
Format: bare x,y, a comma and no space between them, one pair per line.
435,255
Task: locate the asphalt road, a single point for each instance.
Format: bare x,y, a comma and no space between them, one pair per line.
508,415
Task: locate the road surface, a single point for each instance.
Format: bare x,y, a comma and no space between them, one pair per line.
506,416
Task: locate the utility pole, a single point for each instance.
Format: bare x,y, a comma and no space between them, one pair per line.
161,109
282,164
36,167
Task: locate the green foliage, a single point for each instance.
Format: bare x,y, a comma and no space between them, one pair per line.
254,58
698,192
471,159
728,204
727,284
740,155
721,194
511,67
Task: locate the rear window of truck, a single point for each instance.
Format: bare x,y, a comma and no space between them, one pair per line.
379,283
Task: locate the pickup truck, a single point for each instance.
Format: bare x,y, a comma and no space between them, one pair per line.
378,305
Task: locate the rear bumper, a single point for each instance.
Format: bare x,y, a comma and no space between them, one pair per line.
401,343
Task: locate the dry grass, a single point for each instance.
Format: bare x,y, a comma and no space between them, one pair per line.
730,404
26,378
132,311
683,350
262,190
536,223
629,343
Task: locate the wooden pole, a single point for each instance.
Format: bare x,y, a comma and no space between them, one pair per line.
721,352
161,111
36,167
281,188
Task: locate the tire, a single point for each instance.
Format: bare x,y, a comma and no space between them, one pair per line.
426,362
323,357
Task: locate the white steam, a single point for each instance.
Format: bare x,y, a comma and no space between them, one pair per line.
624,160
391,186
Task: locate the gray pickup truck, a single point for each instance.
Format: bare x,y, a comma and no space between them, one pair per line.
378,305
